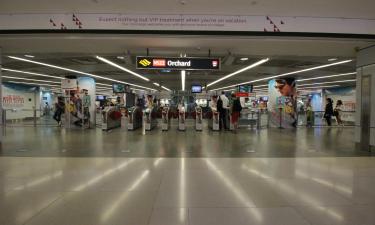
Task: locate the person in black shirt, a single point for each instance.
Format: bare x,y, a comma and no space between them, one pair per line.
328,112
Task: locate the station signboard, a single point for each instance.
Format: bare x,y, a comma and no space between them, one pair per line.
186,63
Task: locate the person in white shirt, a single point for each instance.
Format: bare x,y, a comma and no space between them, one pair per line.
223,110
337,112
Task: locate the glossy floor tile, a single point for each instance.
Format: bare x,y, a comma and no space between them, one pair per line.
271,142
188,191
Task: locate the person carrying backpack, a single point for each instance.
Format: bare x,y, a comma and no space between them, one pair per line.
236,112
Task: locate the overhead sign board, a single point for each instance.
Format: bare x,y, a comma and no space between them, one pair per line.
159,63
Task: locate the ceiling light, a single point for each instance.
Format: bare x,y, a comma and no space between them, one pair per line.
286,74
263,85
244,59
324,86
322,77
121,68
332,59
21,78
109,85
136,89
120,57
183,76
239,71
157,84
29,56
79,72
166,88
328,82
21,82
31,73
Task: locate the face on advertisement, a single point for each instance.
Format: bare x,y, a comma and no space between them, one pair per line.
285,87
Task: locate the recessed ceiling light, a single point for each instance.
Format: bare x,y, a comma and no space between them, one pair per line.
21,78
183,77
32,73
322,77
244,59
332,59
78,72
286,74
29,56
328,82
21,82
165,88
121,68
239,71
120,57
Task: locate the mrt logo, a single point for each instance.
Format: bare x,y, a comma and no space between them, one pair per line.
158,62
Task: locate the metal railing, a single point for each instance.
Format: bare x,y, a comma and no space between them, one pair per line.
27,117
316,118
253,119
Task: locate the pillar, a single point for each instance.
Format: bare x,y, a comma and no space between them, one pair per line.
88,83
365,107
282,102
1,100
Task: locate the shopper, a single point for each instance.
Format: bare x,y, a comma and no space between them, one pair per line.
328,112
338,112
309,114
59,109
222,107
46,109
236,111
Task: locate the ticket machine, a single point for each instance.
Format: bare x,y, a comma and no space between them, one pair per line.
111,118
198,118
149,118
165,122
181,120
214,120
134,118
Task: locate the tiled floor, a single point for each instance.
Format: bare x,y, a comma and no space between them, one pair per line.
195,191
303,142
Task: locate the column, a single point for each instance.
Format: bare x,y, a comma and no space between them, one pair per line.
1,100
365,102
282,102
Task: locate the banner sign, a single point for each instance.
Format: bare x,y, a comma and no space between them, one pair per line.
13,101
158,63
245,94
186,22
69,84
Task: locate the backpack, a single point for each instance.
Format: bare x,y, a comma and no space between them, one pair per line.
237,106
219,104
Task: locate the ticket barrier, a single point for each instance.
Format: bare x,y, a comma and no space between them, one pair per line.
181,121
231,125
134,118
111,118
214,121
198,118
149,119
166,123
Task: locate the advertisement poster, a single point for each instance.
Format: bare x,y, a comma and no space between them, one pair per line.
282,102
19,100
348,97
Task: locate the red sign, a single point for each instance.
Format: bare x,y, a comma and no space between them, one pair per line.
215,63
158,62
242,94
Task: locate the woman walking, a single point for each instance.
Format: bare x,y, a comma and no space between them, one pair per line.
328,112
236,110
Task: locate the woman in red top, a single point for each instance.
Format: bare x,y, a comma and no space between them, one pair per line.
236,110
